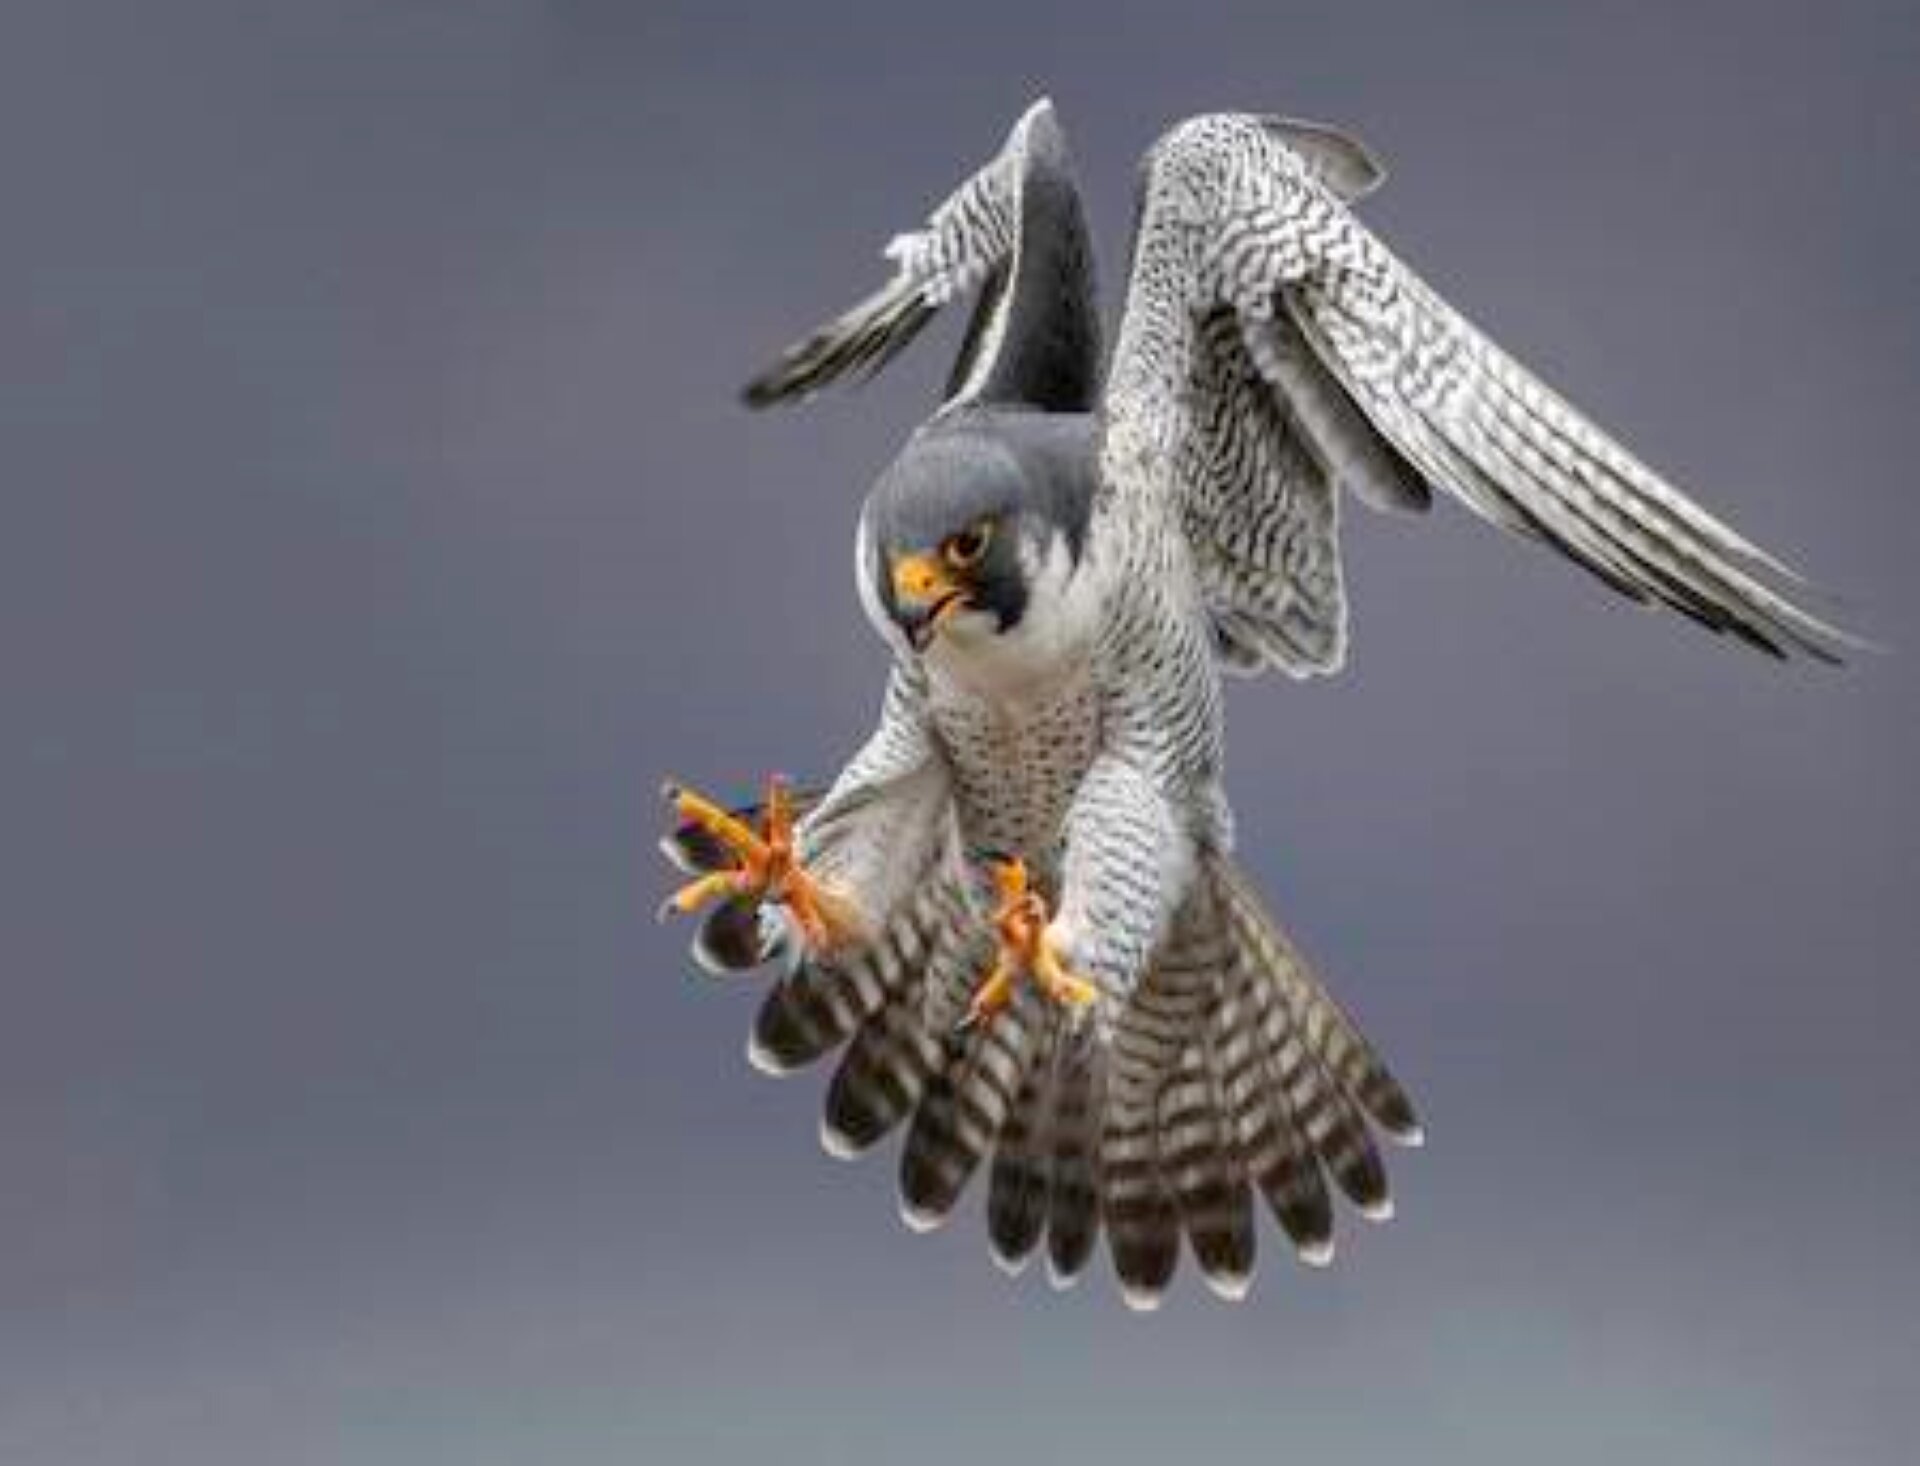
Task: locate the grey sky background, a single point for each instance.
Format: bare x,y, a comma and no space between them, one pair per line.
379,527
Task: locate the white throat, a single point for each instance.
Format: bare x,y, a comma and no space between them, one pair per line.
1037,654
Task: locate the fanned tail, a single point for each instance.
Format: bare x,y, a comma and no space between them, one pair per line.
1232,1072
1228,1071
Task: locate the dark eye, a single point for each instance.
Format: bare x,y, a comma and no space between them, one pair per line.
966,548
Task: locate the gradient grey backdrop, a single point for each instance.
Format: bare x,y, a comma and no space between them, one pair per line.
379,527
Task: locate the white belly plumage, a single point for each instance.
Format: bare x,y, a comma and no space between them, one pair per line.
1016,766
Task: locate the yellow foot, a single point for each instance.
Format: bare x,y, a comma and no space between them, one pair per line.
765,868
1025,951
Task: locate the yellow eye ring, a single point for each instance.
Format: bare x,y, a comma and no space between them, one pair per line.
964,549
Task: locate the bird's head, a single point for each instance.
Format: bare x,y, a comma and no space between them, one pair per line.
967,536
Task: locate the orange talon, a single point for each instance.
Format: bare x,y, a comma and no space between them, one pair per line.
1068,989
991,996
767,869
701,892
728,828
1025,950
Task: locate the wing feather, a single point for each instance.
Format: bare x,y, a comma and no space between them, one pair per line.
1015,233
1388,386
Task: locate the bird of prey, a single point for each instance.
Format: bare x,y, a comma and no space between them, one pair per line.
1018,906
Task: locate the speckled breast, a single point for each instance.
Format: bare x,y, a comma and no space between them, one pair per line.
1016,767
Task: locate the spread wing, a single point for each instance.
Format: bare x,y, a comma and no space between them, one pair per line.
1015,232
1272,348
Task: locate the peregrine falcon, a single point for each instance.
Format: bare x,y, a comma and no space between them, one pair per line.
1017,907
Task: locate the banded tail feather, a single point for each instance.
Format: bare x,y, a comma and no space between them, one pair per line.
884,1072
1228,1072
820,1002
1330,1124
1204,1167
965,1105
1232,1072
1330,1033
1143,1224
1017,1199
816,1006
1073,1200
880,1078
1150,1037
734,937
1274,1147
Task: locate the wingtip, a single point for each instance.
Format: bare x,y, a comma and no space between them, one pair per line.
1851,642
767,390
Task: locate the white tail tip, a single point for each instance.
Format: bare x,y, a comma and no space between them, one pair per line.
1233,1287
918,1219
836,1143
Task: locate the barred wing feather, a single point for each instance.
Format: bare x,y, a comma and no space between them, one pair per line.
1014,231
1378,375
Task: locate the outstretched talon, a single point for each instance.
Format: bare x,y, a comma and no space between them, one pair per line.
1025,950
765,867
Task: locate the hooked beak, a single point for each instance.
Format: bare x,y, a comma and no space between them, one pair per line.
925,594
